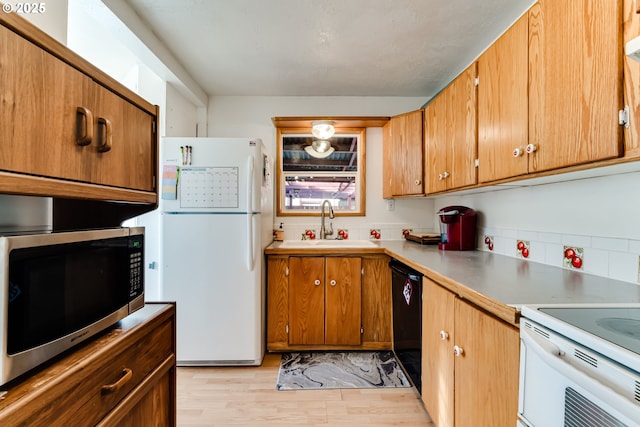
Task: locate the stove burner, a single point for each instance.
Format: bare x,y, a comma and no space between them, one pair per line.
627,327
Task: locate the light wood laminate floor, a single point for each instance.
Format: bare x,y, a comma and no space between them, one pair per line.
246,396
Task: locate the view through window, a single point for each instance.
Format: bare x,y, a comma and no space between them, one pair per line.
307,177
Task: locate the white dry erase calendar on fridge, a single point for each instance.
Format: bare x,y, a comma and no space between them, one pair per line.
208,187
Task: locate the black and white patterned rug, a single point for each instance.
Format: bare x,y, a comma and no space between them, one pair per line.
327,370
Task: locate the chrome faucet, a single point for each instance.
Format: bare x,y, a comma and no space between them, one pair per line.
323,230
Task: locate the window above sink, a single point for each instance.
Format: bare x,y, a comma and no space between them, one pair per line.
304,179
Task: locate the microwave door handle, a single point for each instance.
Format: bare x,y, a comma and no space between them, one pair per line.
552,356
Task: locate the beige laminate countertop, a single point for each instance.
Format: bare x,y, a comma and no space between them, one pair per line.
497,283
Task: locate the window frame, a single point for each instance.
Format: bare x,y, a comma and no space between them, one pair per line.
281,175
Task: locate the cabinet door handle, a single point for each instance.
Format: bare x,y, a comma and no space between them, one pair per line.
111,388
418,181
84,126
104,135
443,335
316,282
458,351
332,282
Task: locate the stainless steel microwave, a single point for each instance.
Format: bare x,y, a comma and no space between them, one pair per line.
61,288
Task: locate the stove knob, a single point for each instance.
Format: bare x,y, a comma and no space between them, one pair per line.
457,351
444,335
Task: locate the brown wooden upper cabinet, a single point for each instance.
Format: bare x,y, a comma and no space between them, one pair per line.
402,148
502,105
631,81
60,122
450,129
565,60
575,82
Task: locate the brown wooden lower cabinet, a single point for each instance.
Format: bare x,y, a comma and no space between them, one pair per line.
328,302
124,377
325,301
478,386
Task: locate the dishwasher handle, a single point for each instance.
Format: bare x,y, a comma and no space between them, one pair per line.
404,271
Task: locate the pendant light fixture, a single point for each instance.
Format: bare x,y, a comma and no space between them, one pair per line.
322,129
321,147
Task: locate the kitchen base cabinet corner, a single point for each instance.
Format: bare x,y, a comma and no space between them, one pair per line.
470,363
125,377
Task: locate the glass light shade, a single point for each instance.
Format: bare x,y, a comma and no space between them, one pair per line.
322,129
319,148
321,145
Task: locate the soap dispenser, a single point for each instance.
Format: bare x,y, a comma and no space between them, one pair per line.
278,234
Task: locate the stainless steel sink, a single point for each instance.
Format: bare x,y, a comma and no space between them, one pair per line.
302,244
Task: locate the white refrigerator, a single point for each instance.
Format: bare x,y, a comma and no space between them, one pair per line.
216,219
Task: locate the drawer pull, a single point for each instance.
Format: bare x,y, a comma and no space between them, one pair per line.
111,388
104,135
84,126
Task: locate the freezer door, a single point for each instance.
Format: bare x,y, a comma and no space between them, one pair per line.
218,286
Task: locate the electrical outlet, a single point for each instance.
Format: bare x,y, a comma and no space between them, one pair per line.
391,205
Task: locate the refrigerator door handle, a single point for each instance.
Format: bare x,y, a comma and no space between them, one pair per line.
250,215
250,185
250,254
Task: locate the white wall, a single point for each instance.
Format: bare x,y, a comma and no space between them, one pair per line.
181,115
25,211
53,20
598,215
251,116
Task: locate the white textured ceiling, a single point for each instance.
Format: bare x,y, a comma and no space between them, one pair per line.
326,47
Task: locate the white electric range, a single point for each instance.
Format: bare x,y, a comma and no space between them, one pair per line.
580,365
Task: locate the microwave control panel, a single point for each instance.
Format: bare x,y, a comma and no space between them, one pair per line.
135,266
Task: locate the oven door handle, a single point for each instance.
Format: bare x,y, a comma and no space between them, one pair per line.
553,357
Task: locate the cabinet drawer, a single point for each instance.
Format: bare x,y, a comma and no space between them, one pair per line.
122,373
80,397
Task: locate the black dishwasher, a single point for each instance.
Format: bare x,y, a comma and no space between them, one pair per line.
406,286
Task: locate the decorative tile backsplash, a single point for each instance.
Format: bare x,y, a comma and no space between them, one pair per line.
352,231
617,259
